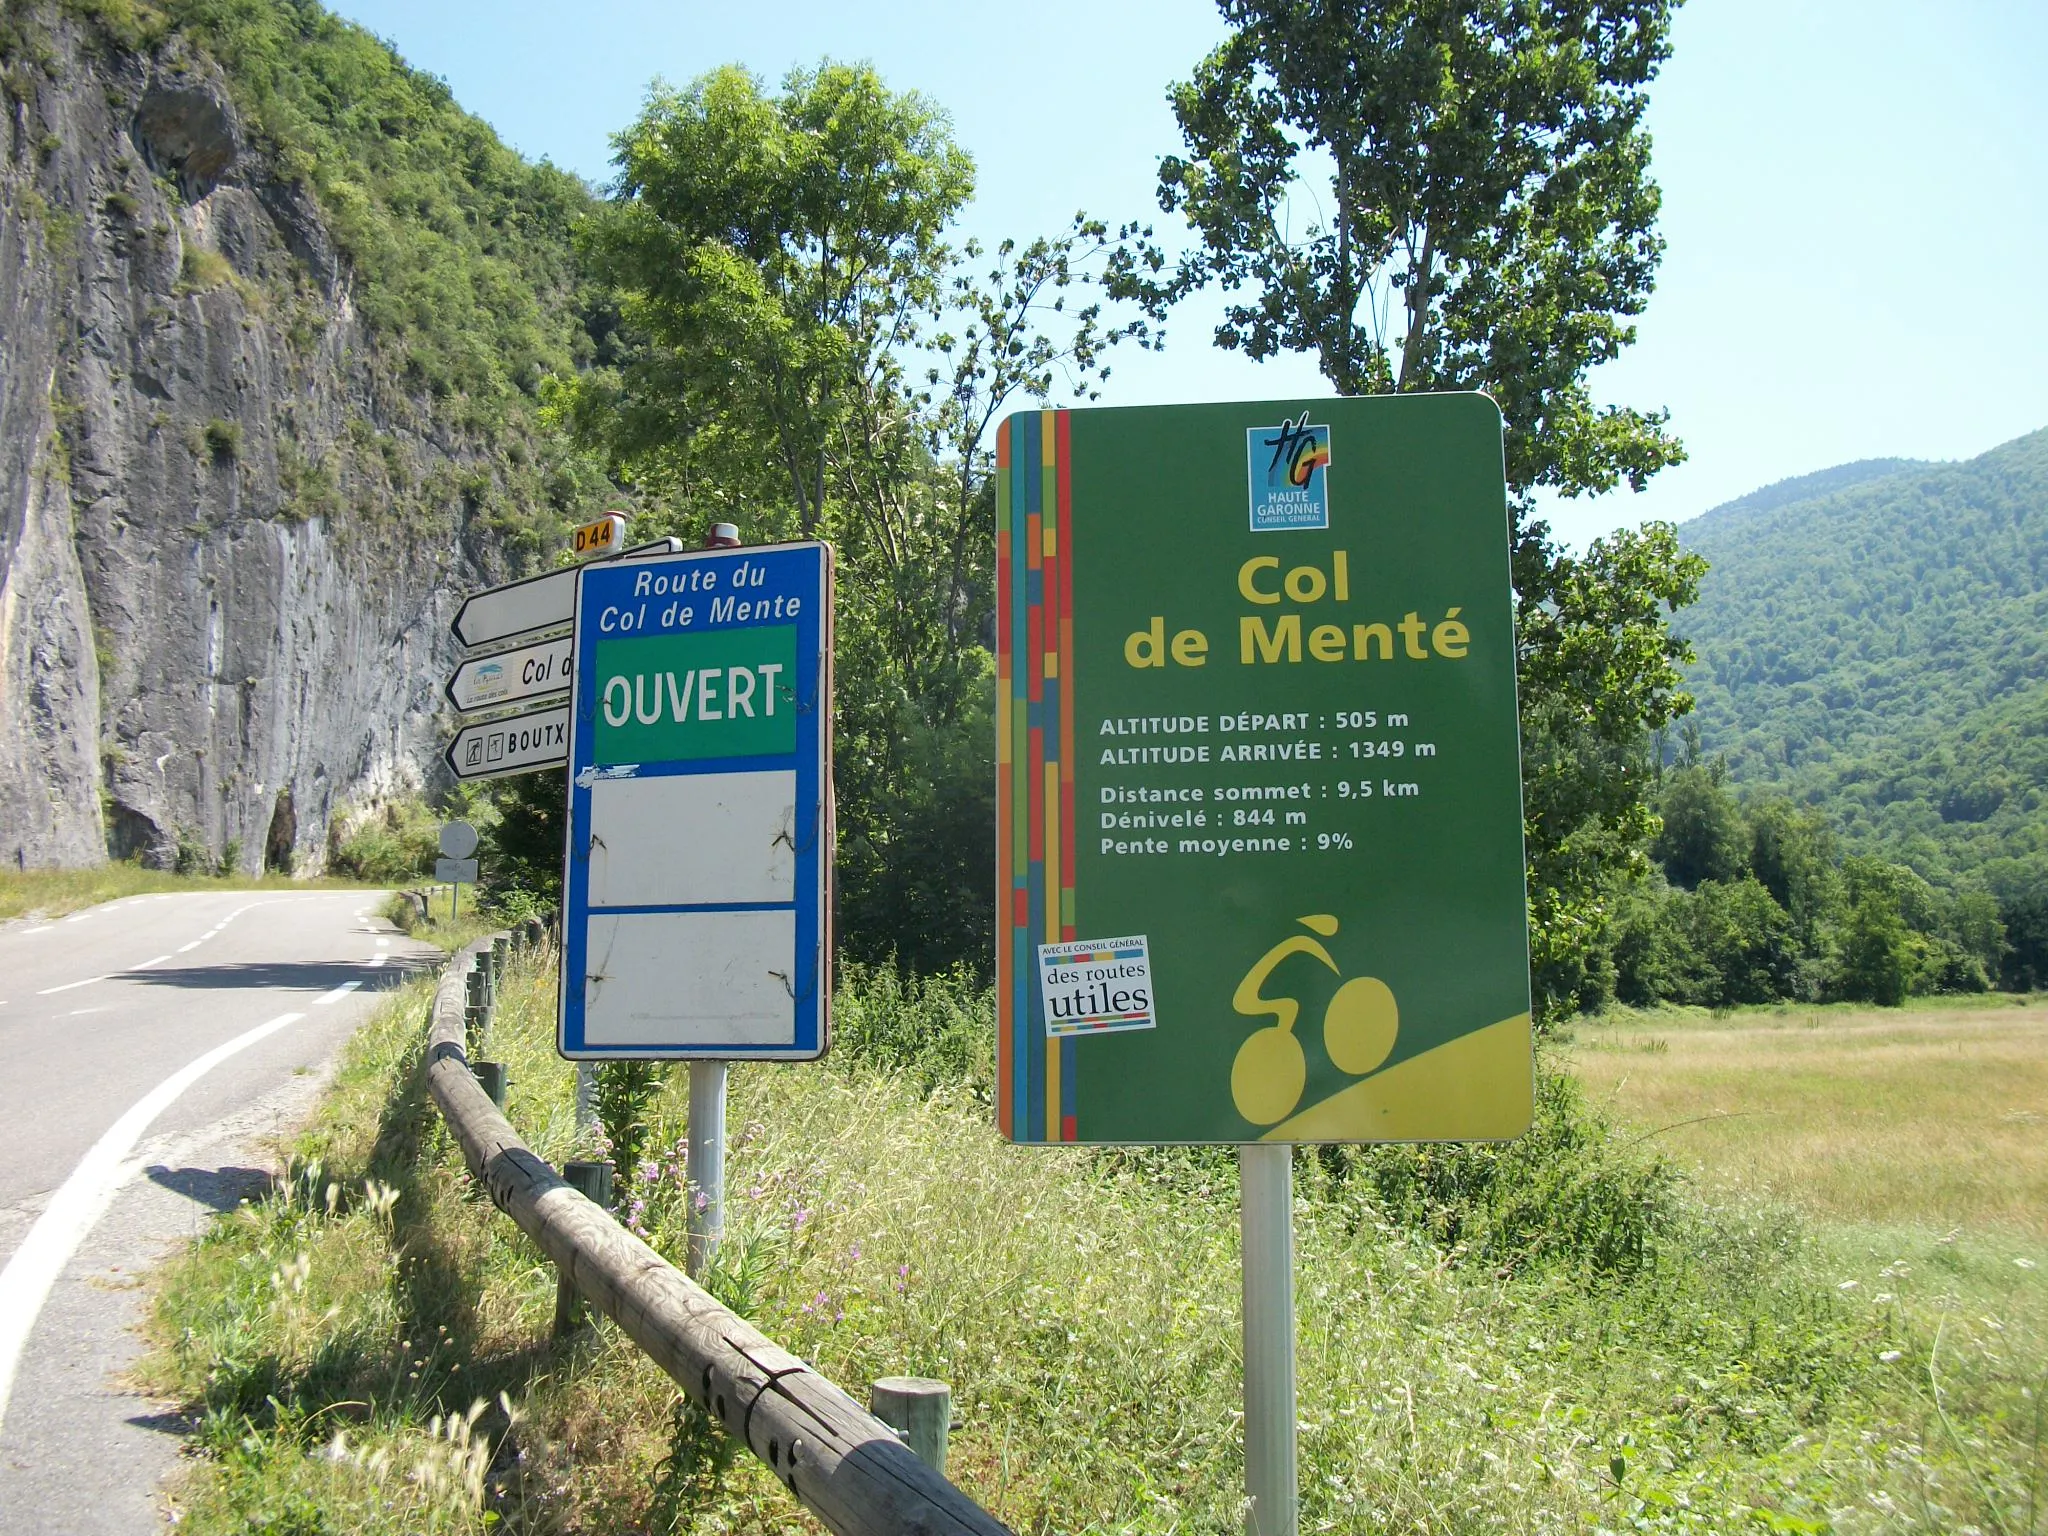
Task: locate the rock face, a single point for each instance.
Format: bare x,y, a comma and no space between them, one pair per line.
230,544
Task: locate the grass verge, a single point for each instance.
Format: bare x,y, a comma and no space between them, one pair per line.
54,892
367,1348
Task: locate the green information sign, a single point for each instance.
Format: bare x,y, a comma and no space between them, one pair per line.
1259,801
720,693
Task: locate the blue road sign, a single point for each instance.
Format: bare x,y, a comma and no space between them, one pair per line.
696,920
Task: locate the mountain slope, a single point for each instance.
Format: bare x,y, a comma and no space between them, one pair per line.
1881,648
274,315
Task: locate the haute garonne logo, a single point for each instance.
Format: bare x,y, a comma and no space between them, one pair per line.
1288,469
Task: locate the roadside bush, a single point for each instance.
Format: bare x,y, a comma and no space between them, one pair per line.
934,1029
192,857
1570,1192
1724,943
393,844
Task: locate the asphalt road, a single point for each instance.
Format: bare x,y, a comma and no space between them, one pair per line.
151,1052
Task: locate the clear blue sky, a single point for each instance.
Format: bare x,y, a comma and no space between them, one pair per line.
1855,191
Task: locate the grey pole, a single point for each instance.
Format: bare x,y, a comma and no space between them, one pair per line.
707,1164
707,1100
586,1096
1266,1222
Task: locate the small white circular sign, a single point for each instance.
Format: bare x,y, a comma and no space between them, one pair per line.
458,840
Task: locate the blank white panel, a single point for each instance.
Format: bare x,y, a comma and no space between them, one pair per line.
693,840
677,979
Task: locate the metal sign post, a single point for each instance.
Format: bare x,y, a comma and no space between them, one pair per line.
695,920
705,1226
456,864
1259,822
1266,1227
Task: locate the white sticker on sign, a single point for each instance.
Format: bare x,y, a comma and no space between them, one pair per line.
1096,986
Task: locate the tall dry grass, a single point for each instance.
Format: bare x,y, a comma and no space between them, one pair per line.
335,1339
1936,1119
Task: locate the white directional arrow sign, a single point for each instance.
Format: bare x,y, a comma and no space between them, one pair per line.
492,749
512,677
532,606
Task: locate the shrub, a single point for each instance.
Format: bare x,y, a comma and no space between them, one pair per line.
395,844
934,1029
193,857
223,439
1571,1191
201,270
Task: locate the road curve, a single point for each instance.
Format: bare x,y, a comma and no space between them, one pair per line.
148,1049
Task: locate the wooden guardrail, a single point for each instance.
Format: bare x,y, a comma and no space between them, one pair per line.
841,1462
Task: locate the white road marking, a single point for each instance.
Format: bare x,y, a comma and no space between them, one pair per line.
100,1008
79,917
159,960
84,1197
383,943
377,960
186,949
49,991
336,995
44,929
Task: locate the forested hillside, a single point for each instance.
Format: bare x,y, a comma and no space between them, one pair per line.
1881,650
1859,807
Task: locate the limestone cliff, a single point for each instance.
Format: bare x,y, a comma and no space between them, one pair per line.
232,528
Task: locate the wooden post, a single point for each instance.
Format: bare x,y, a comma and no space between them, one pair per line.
501,949
474,1012
920,1410
594,1182
491,1075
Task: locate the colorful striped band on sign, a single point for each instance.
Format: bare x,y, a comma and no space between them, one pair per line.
1034,763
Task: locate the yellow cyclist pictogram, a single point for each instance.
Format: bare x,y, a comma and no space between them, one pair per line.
1359,1028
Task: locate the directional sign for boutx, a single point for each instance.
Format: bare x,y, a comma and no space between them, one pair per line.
530,607
491,749
700,840
1259,799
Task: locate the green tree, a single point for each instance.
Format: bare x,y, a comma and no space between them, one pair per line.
1482,211
771,254
1876,954
1599,674
1792,852
519,861
796,347
1701,836
1744,941
1481,217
